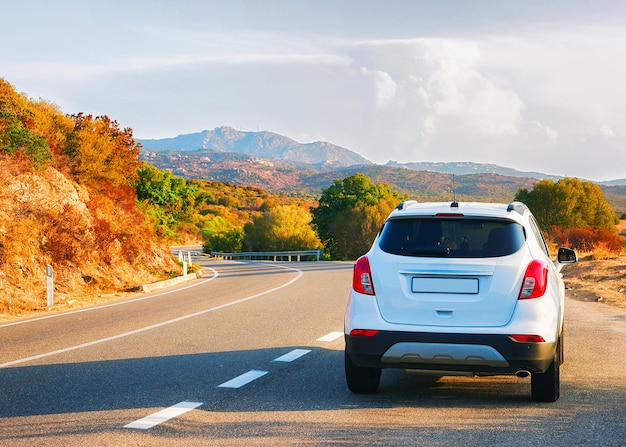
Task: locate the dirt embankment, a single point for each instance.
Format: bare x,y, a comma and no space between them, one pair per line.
603,281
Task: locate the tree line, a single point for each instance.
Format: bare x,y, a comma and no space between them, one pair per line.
348,214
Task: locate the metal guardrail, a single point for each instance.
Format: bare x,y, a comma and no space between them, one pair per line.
271,255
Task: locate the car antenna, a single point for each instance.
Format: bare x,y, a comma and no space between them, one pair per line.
454,203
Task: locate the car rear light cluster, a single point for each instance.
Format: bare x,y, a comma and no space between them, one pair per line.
362,277
535,280
363,332
526,338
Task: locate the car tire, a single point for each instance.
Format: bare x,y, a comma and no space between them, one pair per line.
545,387
360,379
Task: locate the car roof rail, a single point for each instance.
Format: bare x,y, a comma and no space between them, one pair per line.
406,203
518,207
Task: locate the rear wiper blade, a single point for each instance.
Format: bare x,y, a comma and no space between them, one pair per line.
439,250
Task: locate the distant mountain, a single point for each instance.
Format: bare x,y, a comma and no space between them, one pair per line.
617,182
230,167
310,180
279,164
266,145
466,168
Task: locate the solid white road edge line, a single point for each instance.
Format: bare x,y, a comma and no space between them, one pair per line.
243,379
293,355
328,337
104,306
164,415
157,325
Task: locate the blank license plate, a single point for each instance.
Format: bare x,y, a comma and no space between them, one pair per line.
445,285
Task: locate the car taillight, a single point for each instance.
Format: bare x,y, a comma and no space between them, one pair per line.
524,338
535,280
363,332
362,277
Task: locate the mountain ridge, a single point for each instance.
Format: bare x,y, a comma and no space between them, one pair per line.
469,168
325,155
261,144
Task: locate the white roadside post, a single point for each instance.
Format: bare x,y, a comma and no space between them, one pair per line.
49,285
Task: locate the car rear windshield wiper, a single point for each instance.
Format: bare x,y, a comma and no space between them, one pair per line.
438,250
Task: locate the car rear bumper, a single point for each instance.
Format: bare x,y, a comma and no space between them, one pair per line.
475,353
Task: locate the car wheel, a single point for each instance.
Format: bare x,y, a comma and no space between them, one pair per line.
360,379
545,387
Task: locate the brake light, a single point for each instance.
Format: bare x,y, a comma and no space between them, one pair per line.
535,280
524,338
363,332
449,214
362,277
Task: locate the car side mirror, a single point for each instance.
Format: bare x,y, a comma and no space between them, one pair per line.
566,256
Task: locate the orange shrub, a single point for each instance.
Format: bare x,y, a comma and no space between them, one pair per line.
588,239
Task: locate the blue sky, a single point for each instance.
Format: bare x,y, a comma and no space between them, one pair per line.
533,85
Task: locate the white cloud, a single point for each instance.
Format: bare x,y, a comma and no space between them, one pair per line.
384,85
539,129
431,90
465,92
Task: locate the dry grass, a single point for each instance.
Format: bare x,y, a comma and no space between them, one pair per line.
621,227
599,280
599,276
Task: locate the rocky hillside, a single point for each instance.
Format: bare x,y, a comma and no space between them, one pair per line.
67,200
46,218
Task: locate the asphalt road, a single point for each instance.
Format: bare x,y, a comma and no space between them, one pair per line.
252,354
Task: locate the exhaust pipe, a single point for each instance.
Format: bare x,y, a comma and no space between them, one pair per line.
522,373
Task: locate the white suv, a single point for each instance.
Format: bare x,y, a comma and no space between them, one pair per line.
457,289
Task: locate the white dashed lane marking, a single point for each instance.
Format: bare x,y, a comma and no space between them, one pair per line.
164,415
331,337
243,379
293,355
176,410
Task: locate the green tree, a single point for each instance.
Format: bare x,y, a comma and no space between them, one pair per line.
215,225
281,228
169,199
19,128
15,138
568,203
350,212
226,240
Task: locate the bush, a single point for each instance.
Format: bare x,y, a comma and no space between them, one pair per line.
588,239
16,138
579,203
227,241
281,228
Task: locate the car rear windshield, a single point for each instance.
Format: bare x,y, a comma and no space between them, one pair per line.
451,237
